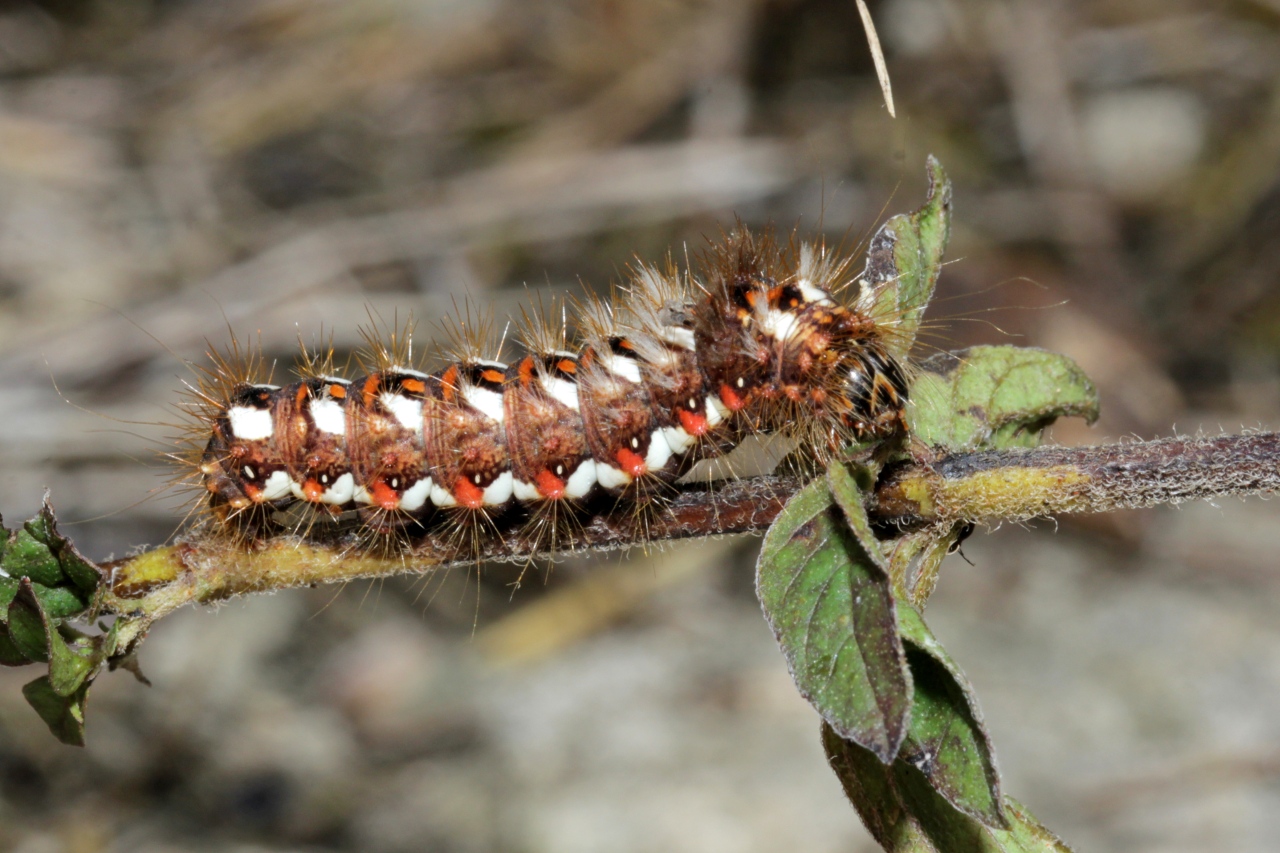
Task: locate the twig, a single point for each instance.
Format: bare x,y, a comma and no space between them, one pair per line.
983,487
1015,485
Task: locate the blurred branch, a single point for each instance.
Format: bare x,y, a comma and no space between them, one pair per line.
984,487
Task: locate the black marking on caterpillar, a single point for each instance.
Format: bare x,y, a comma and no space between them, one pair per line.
680,367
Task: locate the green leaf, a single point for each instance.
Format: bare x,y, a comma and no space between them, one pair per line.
43,582
946,740
61,580
831,609
1027,832
868,785
27,624
64,715
70,665
27,557
906,815
849,490
81,572
60,602
903,260
39,552
8,589
9,653
35,636
43,530
996,397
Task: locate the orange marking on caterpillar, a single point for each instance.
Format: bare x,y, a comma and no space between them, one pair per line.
449,383
468,494
632,463
525,371
312,490
549,485
694,423
731,400
384,496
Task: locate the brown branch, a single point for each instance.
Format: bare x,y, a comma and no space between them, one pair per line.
206,568
984,487
1015,485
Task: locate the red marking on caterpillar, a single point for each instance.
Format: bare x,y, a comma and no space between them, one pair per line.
679,368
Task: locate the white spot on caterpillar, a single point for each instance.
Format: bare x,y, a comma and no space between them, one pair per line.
563,390
341,492
581,480
249,424
678,336
488,403
499,491
416,495
361,495
610,477
659,451
813,294
620,366
526,491
677,440
277,486
440,496
406,410
329,416
716,411
780,325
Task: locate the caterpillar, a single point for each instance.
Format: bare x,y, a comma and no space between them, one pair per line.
679,367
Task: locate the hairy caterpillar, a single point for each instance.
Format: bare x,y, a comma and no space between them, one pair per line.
680,367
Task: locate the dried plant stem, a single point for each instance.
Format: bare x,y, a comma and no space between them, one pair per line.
877,57
985,487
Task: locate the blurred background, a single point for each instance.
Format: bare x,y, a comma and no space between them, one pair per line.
170,169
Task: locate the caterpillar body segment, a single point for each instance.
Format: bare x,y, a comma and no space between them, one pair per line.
675,368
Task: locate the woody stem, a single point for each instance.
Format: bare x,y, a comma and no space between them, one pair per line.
983,487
